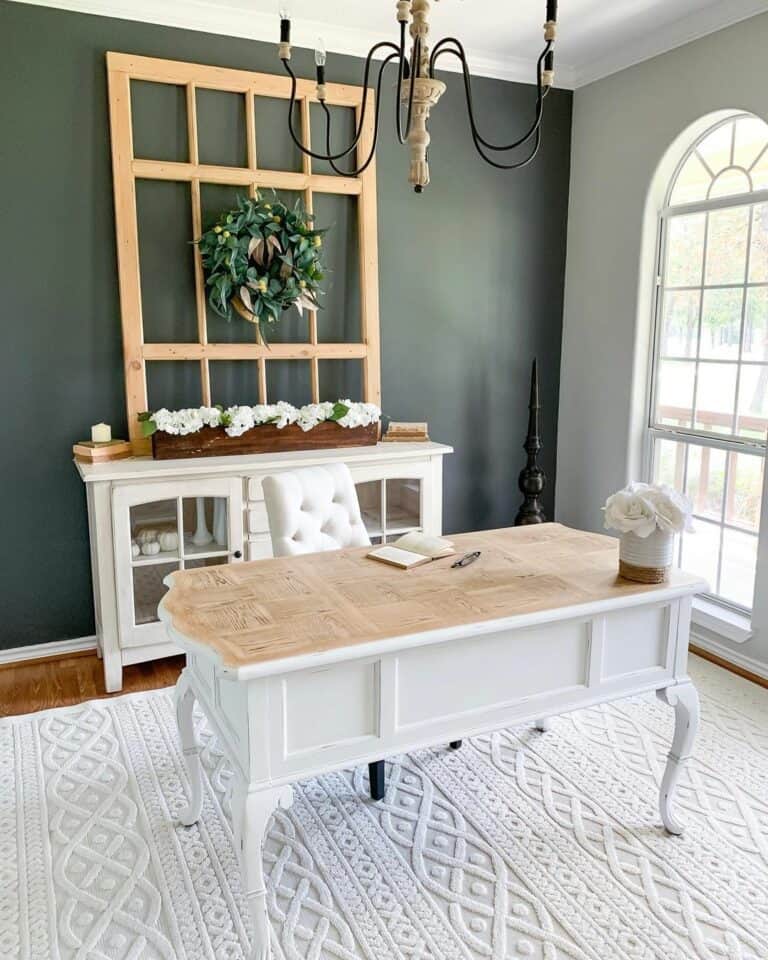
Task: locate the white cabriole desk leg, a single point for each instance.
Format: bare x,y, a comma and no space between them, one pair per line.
684,700
251,810
185,702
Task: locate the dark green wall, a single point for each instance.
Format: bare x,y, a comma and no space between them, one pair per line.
471,280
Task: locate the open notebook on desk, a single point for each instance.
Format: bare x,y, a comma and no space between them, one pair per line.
412,550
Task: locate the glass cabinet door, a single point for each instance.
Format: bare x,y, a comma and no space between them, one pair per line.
204,523
149,590
403,505
369,495
391,507
161,528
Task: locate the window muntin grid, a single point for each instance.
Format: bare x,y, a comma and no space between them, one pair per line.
709,393
128,169
725,487
731,158
711,369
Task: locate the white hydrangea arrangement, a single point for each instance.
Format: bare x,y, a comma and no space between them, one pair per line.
238,420
641,508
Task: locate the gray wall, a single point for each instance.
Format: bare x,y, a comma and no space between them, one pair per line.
471,289
623,127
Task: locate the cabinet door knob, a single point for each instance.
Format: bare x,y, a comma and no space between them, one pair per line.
237,554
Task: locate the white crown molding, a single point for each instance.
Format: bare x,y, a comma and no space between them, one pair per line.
218,17
673,35
56,648
213,16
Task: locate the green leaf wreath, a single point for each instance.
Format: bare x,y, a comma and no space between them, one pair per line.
261,258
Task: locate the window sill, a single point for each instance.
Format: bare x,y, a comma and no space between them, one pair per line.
733,626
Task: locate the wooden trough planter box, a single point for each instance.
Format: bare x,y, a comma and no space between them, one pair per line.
214,442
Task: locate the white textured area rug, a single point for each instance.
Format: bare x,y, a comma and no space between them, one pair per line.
521,844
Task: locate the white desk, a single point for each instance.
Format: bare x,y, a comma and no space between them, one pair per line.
314,663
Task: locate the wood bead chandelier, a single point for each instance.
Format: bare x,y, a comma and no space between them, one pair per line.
419,89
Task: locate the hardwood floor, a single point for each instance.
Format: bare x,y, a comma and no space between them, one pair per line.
731,667
58,682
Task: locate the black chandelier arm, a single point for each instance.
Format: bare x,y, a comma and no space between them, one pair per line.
480,143
518,163
458,51
477,140
437,51
372,152
515,164
402,136
358,133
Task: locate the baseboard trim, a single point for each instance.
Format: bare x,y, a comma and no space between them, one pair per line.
738,663
54,650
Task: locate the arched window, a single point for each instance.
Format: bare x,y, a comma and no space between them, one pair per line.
709,397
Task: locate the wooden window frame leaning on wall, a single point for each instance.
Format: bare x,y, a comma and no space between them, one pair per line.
127,169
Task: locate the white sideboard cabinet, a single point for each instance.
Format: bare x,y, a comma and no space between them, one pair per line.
215,508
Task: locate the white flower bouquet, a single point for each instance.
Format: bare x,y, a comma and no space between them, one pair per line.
641,508
647,516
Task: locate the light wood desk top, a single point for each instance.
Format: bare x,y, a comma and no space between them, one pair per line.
249,613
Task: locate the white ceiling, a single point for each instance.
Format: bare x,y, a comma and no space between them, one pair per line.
595,37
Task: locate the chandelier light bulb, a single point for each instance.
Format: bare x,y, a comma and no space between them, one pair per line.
285,29
320,53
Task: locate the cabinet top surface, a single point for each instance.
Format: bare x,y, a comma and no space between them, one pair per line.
269,610
145,468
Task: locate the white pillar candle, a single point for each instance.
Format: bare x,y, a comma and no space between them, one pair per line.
101,433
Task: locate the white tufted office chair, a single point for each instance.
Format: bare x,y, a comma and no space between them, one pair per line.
313,510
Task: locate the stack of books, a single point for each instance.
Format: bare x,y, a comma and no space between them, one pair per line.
89,452
406,432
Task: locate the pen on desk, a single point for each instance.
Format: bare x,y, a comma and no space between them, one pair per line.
466,559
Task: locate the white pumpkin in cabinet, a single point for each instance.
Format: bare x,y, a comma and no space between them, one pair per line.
168,540
151,548
146,536
135,549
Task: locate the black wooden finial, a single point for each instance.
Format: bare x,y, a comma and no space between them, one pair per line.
532,479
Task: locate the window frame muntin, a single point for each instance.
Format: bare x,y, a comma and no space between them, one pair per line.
717,443
693,148
664,217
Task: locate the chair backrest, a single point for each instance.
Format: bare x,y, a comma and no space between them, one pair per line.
313,509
